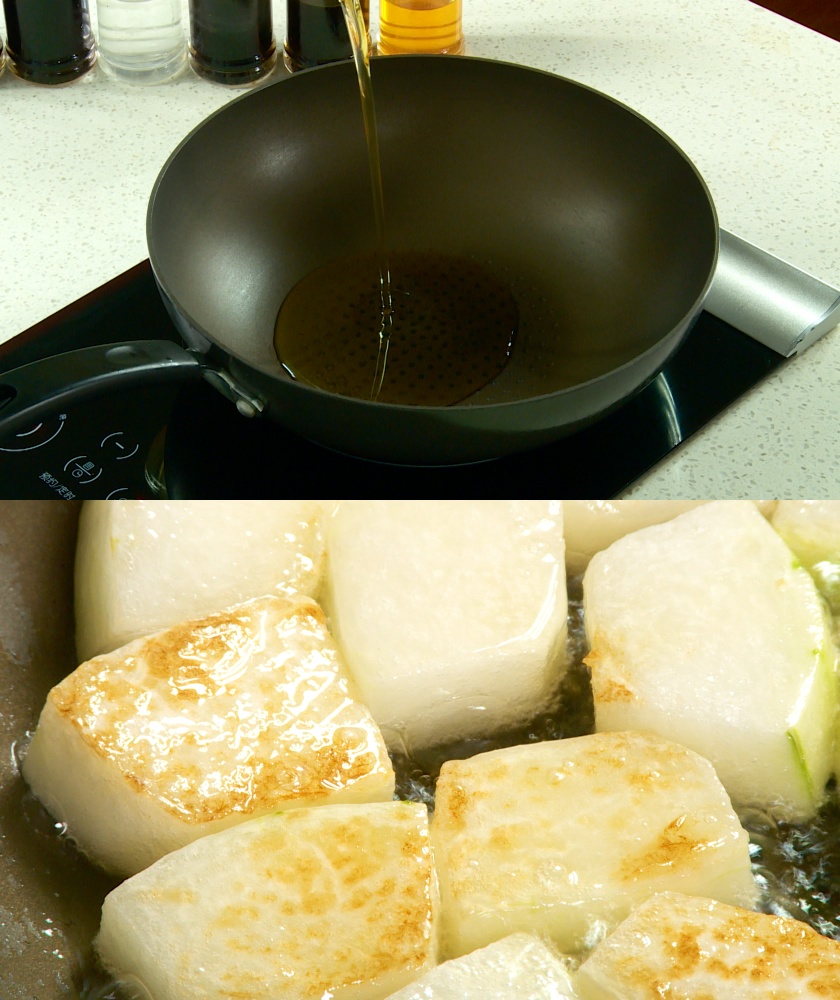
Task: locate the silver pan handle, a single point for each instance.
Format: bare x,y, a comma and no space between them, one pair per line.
769,299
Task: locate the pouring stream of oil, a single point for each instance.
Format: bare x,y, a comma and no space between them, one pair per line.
360,42
439,326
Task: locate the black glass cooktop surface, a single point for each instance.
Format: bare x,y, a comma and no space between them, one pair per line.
190,442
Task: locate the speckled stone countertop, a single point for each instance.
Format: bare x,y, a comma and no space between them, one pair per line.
751,97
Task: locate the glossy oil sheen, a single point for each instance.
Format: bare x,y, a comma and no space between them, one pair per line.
454,324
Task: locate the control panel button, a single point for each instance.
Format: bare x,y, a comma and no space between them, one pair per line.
35,437
83,469
116,446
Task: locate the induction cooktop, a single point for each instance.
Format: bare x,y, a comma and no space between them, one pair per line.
187,441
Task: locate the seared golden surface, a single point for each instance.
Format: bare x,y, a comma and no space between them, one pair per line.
241,711
684,947
198,727
335,901
563,837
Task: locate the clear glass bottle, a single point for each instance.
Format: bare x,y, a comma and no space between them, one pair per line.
232,41
141,41
49,41
430,26
316,33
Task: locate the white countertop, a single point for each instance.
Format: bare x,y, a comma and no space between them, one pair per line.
751,97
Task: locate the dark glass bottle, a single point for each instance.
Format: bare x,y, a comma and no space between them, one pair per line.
316,33
232,41
49,41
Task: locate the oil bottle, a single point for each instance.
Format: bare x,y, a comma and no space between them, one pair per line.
427,26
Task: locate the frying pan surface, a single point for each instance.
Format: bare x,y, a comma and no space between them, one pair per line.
602,228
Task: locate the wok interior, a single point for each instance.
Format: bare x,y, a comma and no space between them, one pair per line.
602,228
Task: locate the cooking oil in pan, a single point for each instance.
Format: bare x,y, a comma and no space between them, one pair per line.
451,329
413,328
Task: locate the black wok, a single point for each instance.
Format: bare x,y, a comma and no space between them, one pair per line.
603,229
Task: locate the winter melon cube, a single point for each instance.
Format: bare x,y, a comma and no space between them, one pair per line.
592,525
684,947
519,967
338,901
562,838
201,726
811,528
451,614
708,631
142,565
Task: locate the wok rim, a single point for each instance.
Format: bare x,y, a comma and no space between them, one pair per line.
677,332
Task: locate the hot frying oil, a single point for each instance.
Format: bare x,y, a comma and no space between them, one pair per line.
453,325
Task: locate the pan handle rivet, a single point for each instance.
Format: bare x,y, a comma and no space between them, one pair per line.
246,409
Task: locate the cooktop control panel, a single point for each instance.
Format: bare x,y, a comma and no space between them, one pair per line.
99,449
